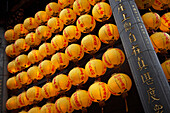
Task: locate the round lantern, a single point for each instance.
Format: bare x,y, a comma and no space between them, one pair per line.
59,42
48,108
20,30
22,99
99,91
13,67
23,61
102,11
144,4
61,82
72,33
166,68
68,16
34,94
86,23
119,83
94,2
65,3
12,83
32,40
55,25
81,7
34,110
21,45
74,52
48,90
109,33
113,58
60,60
22,78
80,99
78,76
10,36
63,105
160,41
41,17
161,4
43,33
46,68
91,44
12,51
53,9
12,103
151,20
95,68
22,111
34,73
46,49
34,56
30,24
165,22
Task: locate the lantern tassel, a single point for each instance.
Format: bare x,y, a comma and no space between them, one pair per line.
124,95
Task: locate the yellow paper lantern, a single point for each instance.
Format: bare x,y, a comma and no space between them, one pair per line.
46,49
48,108
12,51
161,4
63,105
59,42
12,83
34,73
65,3
68,16
94,2
20,30
86,23
78,76
41,17
72,33
95,68
102,11
13,67
30,24
61,82
21,45
151,20
74,52
165,22
53,9
113,58
119,83
46,68
23,61
22,111
144,4
160,41
60,60
81,7
22,99
10,36
48,90
12,103
22,78
166,68
91,44
32,40
99,91
34,56
55,25
34,110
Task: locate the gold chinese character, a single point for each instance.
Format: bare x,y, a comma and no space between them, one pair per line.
152,95
146,78
125,18
141,64
158,108
136,50
132,37
118,0
127,26
121,8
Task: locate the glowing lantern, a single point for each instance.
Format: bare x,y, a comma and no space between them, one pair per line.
12,103
21,45
34,56
34,110
161,4
12,83
86,23
80,99
63,105
32,40
48,90
30,24
74,52
68,16
81,7
78,76
43,33
151,20
34,73
41,17
46,68
11,51
61,82
95,68
23,61
72,33
13,67
22,111
65,3
144,4
94,2
55,25
102,11
59,42
48,108
160,41
10,36
91,44
22,99
53,9
166,68
60,60
22,78
113,58
165,22
20,30
99,91
46,49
